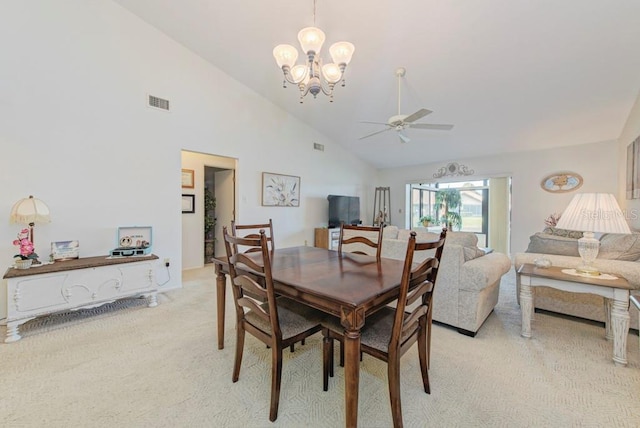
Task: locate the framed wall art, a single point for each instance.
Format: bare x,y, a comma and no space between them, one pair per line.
561,182
188,204
633,169
188,181
280,190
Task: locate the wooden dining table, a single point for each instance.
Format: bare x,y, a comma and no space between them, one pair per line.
348,286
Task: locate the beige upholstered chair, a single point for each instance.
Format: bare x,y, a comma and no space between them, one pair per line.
390,332
277,322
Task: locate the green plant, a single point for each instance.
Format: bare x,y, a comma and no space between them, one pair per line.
209,214
448,203
426,219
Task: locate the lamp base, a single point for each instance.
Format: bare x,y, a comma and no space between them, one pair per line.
587,270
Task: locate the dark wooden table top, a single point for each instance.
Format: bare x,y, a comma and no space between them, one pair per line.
81,263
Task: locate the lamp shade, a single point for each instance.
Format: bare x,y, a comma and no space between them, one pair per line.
311,39
594,212
30,210
341,52
285,55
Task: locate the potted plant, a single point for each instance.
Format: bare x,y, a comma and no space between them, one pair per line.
426,219
27,255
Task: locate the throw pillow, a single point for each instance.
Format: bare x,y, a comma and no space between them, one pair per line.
545,243
616,246
471,253
563,232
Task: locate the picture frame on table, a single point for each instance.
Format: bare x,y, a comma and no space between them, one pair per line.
65,250
279,190
188,204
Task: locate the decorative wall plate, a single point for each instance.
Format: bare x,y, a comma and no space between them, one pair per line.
561,182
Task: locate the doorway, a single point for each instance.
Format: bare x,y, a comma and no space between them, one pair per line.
214,195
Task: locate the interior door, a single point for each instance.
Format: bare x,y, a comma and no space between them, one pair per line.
225,206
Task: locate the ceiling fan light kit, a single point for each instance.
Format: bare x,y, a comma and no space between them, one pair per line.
400,121
313,77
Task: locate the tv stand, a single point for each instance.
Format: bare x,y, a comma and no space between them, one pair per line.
327,238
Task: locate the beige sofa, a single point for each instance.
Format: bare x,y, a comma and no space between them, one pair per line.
468,281
619,254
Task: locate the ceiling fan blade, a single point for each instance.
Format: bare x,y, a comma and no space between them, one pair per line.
417,115
430,126
403,138
375,123
377,132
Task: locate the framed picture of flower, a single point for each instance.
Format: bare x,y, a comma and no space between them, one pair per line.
279,190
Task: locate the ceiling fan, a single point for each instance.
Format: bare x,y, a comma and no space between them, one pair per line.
400,121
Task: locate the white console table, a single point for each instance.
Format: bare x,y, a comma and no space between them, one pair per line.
75,284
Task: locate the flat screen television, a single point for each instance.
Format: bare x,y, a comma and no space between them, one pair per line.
343,209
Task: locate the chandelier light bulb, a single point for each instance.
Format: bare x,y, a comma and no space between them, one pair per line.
285,55
341,52
298,73
332,73
311,39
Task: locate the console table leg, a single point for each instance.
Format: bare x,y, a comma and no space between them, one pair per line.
620,325
153,300
526,306
12,332
608,334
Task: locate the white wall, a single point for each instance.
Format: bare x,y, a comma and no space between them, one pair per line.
630,132
596,163
75,132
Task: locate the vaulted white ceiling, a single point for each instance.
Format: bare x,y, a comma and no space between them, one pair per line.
510,75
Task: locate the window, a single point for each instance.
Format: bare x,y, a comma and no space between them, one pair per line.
472,211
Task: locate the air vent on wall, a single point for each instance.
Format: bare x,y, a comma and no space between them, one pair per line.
159,103
318,146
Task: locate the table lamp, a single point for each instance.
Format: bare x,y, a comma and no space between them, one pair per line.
30,211
589,213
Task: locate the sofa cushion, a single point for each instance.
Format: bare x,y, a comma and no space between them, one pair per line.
390,232
617,246
546,243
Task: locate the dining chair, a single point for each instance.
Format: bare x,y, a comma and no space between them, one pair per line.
355,239
276,321
390,332
252,231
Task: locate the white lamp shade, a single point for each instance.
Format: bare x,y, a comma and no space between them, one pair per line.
311,39
594,212
285,55
30,210
341,52
331,72
299,72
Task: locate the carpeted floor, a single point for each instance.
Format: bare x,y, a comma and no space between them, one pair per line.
132,366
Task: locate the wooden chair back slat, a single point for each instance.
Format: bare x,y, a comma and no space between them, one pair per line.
365,239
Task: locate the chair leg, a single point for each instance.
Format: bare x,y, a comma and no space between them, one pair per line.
276,378
393,372
429,324
292,347
239,349
327,359
423,354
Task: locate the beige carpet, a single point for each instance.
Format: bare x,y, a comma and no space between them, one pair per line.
133,366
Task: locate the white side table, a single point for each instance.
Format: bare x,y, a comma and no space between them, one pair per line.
614,291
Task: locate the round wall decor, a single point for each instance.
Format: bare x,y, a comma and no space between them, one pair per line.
561,182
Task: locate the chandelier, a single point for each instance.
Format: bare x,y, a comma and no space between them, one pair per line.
313,77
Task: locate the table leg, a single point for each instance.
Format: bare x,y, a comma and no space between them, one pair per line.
608,334
526,306
221,283
351,375
620,325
